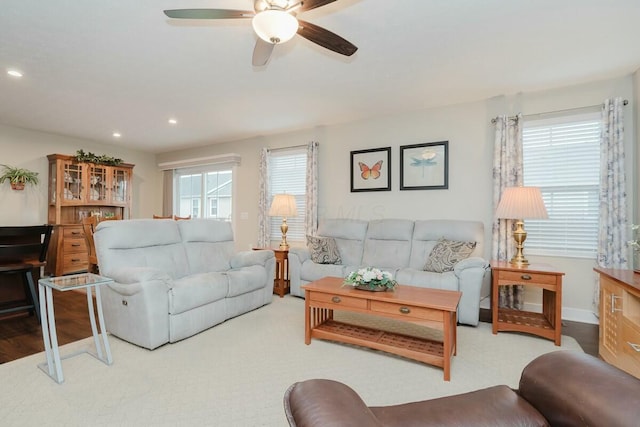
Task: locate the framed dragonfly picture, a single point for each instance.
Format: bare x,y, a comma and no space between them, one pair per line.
424,166
371,170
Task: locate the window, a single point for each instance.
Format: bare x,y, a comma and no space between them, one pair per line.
562,157
197,189
288,174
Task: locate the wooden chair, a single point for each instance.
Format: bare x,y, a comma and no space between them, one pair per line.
89,225
162,217
176,217
21,250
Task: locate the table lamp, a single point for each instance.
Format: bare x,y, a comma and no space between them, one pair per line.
520,203
283,205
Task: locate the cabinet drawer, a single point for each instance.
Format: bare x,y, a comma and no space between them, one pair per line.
74,245
630,335
406,310
75,262
339,300
516,277
72,232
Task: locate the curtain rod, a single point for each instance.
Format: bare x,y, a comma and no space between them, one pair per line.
287,148
495,119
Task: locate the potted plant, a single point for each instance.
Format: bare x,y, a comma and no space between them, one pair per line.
18,177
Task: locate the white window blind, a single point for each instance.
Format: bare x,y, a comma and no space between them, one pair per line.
562,157
288,171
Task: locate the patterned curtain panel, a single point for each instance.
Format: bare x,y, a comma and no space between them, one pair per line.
264,232
613,227
507,172
311,226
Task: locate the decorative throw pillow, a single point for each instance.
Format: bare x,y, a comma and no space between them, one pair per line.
323,250
446,254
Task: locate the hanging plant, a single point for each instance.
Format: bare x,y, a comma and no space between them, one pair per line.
18,177
103,159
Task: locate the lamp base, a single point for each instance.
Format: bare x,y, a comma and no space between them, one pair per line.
519,235
284,246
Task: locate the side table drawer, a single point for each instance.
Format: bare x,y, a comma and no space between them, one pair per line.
339,300
516,277
630,342
406,310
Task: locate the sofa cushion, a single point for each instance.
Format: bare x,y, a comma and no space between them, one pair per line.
427,279
208,244
312,271
446,254
246,279
388,243
349,235
197,290
323,250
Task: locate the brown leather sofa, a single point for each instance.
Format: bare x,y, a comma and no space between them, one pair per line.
562,388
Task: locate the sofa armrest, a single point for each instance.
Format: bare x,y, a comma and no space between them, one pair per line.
127,276
573,388
326,403
249,258
470,273
472,262
302,254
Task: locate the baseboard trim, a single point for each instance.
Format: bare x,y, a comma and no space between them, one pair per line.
568,313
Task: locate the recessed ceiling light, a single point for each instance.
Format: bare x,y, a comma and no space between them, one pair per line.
117,134
14,73
173,121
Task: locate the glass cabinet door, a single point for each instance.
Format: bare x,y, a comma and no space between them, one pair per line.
72,188
119,185
97,183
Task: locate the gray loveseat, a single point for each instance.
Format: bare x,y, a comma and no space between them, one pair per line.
173,279
401,247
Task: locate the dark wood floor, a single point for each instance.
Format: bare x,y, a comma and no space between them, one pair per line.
21,336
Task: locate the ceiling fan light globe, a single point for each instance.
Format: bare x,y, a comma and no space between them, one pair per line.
275,26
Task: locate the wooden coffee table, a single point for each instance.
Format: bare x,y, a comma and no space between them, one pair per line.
432,308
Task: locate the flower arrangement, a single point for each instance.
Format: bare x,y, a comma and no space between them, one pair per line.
370,278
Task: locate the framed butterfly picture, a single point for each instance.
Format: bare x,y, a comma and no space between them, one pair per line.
424,166
371,170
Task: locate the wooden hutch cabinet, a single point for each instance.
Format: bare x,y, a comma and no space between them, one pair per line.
78,190
619,333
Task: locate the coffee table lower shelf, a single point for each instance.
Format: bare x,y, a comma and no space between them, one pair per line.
415,348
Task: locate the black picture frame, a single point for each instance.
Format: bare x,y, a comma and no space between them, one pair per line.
371,170
424,166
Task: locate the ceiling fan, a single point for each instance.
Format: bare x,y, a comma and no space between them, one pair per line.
275,22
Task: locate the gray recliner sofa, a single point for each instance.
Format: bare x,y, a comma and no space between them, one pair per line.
174,279
401,247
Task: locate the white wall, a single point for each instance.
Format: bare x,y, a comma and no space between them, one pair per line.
469,132
29,149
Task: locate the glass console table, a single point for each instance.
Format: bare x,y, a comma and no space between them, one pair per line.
87,281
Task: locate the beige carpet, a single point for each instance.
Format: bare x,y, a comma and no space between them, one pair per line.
236,373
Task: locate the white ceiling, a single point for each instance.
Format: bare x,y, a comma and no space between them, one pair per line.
92,67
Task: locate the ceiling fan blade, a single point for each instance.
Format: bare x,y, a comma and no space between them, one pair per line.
326,38
312,4
208,13
262,52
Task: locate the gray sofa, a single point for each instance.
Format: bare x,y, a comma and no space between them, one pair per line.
174,279
401,247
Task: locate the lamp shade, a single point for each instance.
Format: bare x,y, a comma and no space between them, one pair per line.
283,205
275,26
521,203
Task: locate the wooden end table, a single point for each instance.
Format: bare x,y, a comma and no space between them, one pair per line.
281,280
433,308
547,324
